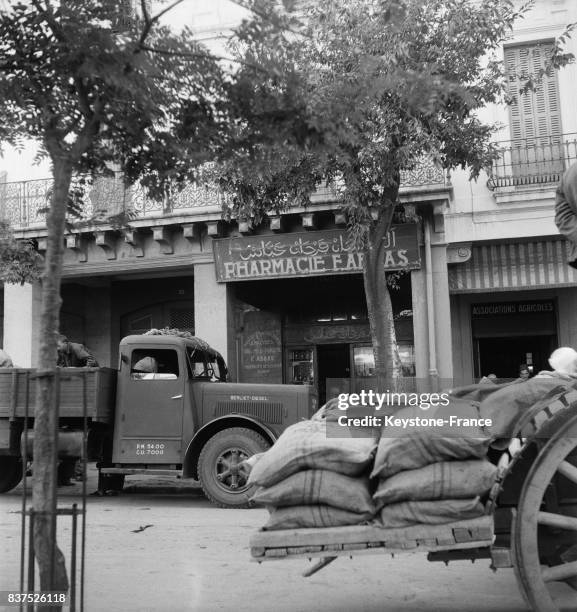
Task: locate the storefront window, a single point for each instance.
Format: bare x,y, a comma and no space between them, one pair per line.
364,361
301,369
407,355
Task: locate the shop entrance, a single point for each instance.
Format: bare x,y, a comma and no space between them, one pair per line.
333,362
503,356
508,334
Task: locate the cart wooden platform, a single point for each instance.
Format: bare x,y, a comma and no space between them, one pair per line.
530,525
362,539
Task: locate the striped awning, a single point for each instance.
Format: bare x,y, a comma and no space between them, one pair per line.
521,265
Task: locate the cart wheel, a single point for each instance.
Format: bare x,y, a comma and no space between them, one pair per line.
545,527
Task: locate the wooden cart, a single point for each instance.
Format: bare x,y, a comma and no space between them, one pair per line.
530,524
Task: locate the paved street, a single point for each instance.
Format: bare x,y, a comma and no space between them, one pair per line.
195,557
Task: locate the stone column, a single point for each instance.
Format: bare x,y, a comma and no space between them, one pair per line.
420,328
22,323
441,296
213,313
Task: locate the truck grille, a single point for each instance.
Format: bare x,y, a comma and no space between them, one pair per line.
269,413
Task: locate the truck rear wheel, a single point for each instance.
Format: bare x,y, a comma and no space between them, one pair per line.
223,479
10,473
110,482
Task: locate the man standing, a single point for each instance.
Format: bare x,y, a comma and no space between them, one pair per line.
74,355
566,211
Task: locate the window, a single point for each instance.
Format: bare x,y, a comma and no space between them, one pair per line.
205,367
364,359
154,364
535,117
182,318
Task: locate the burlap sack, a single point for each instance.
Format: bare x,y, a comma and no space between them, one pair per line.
306,445
444,480
506,406
437,512
479,391
414,447
296,517
313,487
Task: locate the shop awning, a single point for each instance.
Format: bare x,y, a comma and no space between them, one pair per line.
521,265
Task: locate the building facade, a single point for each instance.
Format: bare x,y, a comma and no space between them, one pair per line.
486,284
512,293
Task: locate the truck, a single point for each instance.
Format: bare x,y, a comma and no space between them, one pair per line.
529,525
167,410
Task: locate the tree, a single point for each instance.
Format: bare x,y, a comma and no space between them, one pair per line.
355,92
82,79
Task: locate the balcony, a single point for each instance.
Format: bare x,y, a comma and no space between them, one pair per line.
532,162
24,203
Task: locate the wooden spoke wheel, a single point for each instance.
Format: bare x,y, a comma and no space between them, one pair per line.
545,528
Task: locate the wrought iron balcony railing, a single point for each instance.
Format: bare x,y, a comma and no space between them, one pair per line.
533,161
24,203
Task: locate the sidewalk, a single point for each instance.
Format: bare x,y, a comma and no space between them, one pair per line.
134,484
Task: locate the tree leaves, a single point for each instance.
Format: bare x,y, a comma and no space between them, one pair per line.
75,83
362,92
19,261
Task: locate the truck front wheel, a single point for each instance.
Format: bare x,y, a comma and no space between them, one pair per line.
223,479
10,473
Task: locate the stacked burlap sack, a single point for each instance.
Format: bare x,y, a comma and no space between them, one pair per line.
432,475
315,475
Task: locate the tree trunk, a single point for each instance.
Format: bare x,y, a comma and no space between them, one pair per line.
52,570
379,306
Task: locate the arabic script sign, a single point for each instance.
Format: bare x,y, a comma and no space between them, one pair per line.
308,254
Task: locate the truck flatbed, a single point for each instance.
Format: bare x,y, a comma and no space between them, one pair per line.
18,387
369,539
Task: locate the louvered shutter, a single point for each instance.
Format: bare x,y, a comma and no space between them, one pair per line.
535,117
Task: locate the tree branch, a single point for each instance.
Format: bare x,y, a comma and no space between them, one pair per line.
83,98
48,14
203,54
150,21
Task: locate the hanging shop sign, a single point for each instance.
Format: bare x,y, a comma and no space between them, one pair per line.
308,254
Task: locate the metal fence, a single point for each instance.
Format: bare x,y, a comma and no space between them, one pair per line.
533,161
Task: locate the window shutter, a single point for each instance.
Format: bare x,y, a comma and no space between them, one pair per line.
535,116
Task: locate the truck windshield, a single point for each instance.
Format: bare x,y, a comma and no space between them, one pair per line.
204,366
